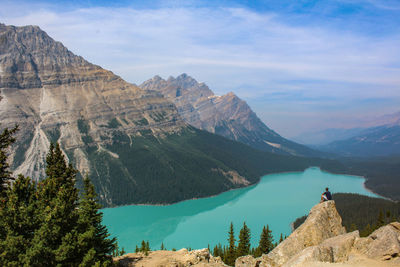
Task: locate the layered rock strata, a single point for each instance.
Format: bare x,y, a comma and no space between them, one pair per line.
226,115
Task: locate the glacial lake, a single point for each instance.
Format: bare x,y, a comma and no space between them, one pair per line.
277,200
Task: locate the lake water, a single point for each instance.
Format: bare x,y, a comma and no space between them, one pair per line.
277,201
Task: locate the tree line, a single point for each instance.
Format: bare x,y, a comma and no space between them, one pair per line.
48,223
234,249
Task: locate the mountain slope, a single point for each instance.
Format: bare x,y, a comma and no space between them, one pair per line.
132,142
226,115
371,142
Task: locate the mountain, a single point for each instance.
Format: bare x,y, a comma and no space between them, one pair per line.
371,142
226,115
132,142
326,136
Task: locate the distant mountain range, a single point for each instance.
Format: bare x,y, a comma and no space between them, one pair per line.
378,137
132,142
371,142
326,136
225,115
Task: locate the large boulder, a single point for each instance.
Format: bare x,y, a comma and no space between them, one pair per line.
382,244
335,249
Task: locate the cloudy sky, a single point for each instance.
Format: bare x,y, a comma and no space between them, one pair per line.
301,65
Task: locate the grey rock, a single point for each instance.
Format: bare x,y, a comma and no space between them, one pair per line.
226,115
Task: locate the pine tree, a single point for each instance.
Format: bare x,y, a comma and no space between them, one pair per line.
56,241
266,242
162,246
93,239
230,256
6,140
281,238
244,241
18,221
353,227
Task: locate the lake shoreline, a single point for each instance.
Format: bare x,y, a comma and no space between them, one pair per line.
254,184
211,196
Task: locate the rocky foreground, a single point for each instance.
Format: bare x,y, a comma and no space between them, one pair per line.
320,241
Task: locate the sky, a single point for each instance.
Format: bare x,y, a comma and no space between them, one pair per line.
300,65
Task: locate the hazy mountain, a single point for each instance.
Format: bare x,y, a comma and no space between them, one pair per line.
326,136
132,142
226,115
371,142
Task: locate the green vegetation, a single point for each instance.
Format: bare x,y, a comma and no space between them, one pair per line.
244,241
113,123
53,134
383,174
363,213
230,253
83,126
142,122
47,224
6,140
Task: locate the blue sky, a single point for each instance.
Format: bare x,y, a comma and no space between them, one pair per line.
300,65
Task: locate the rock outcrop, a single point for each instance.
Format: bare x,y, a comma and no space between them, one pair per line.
226,115
181,258
323,222
322,241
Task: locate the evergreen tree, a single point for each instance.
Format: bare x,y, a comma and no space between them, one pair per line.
56,241
93,239
266,242
6,140
353,227
162,246
244,241
381,220
18,221
230,255
281,238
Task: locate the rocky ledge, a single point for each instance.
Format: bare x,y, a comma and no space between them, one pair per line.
320,241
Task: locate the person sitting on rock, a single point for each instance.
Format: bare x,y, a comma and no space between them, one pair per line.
326,195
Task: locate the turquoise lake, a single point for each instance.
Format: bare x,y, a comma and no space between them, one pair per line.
277,200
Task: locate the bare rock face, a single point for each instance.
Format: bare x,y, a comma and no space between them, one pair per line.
181,258
323,222
335,249
382,244
226,115
48,90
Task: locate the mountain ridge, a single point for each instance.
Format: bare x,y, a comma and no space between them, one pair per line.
225,115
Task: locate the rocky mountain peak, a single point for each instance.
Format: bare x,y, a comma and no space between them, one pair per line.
226,115
55,95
